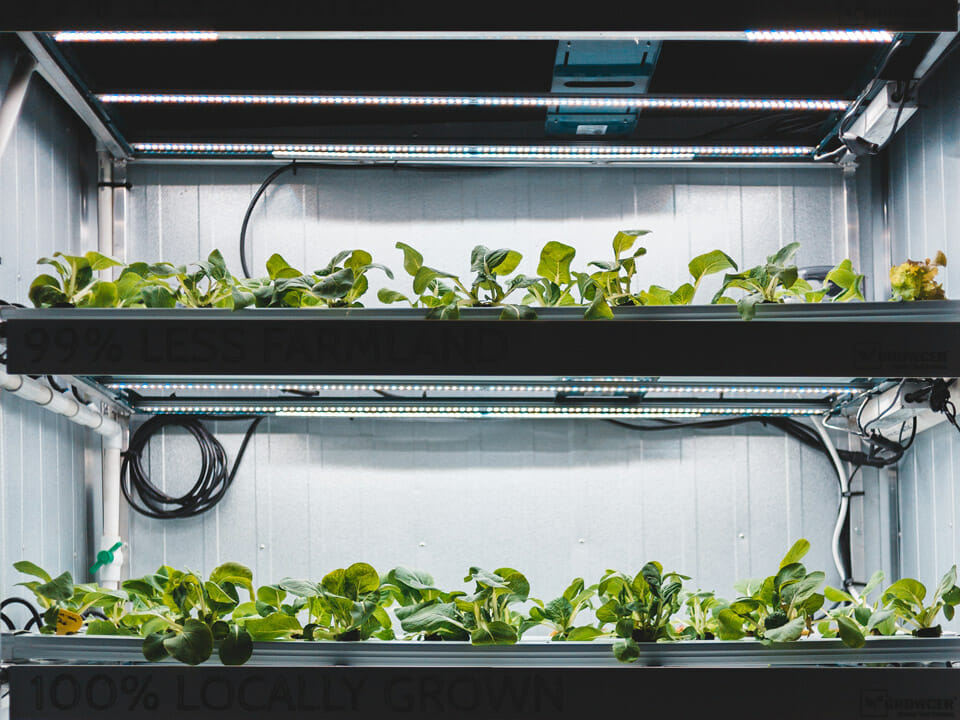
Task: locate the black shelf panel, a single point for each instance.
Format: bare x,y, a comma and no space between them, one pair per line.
866,340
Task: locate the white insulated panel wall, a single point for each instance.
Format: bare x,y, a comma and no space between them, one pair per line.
47,196
553,498
924,211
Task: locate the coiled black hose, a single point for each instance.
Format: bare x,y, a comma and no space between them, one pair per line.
35,618
212,482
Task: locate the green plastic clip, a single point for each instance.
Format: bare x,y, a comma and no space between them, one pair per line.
105,557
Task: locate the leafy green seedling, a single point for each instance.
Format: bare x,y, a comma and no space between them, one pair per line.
76,284
340,284
702,609
561,613
640,608
855,618
707,264
554,286
609,286
906,598
490,287
487,612
425,610
845,284
778,608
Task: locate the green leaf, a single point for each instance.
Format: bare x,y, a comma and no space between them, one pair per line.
218,268
59,589
28,568
158,296
873,583
657,295
237,647
391,296
104,294
412,260
502,262
555,259
850,633
494,633
272,627
430,618
947,582
683,295
235,573
105,627
193,645
607,612
153,648
272,595
784,255
416,579
626,650
584,634
518,312
424,276
709,263
277,267
625,239
834,595
598,309
358,261
786,633
45,291
336,285
360,579
300,588
797,552
908,590
100,262
730,625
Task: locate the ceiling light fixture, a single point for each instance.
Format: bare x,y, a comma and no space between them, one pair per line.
482,152
643,103
135,35
835,36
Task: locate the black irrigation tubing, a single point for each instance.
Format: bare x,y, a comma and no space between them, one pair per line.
35,618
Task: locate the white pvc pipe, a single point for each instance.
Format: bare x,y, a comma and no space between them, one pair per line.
112,443
844,502
13,99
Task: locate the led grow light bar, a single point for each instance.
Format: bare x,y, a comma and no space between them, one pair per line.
473,410
832,36
482,152
553,389
136,36
539,101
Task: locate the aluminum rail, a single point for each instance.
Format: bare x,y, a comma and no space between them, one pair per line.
79,649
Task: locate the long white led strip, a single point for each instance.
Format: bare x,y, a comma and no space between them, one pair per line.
496,152
829,36
136,36
466,410
519,388
539,101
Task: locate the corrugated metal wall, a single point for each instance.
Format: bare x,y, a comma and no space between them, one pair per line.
924,212
47,187
555,499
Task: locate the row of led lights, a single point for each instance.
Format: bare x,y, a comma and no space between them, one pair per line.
497,151
619,389
676,103
833,36
474,410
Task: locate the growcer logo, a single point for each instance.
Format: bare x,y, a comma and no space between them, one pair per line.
880,704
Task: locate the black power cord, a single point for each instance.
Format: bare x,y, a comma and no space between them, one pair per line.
212,483
35,618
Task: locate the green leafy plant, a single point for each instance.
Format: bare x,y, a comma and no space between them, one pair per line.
64,601
640,608
345,605
425,611
707,264
200,616
554,286
779,279
609,286
487,611
560,614
702,609
854,619
340,284
914,280
778,608
490,287
76,284
906,598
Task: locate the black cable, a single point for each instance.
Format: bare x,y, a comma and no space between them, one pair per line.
35,618
212,482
